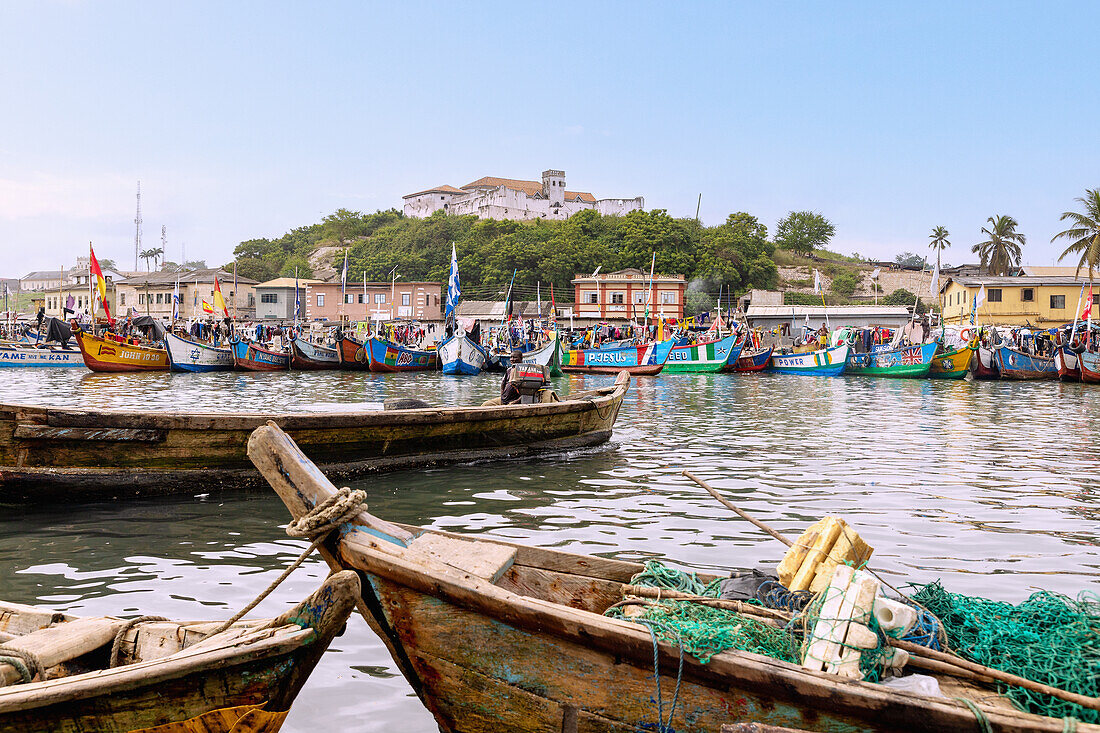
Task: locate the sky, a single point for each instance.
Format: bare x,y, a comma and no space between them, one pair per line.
247,119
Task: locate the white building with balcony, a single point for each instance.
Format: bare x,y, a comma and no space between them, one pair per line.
510,198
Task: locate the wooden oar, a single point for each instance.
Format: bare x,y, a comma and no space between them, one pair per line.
964,665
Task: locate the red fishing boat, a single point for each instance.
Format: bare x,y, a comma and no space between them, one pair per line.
353,354
1066,361
756,361
312,357
251,357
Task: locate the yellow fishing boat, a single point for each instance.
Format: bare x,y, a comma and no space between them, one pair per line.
108,355
952,364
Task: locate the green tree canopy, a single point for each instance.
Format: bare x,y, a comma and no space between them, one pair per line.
1084,233
802,231
1000,251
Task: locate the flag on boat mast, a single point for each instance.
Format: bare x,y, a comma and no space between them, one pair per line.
344,282
297,300
454,289
100,284
176,299
934,286
817,281
553,307
219,301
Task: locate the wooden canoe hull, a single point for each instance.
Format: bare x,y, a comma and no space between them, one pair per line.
104,355
1066,361
28,356
757,361
56,453
353,355
309,357
709,357
244,685
1015,364
985,364
911,362
1089,364
645,360
952,364
386,357
249,357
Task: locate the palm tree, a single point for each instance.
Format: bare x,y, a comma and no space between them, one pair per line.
1084,233
1001,251
939,242
156,254
146,254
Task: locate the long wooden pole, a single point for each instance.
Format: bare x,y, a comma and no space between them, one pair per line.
973,668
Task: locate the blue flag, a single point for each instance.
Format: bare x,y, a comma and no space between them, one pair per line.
297,298
454,290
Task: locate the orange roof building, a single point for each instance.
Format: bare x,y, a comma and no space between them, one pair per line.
490,197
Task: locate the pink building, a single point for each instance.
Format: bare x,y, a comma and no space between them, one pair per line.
419,301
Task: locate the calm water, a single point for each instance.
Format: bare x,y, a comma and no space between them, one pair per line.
991,487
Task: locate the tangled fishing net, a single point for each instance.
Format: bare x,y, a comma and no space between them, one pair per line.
1049,638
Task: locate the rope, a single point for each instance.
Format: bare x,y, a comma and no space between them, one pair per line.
983,722
341,507
1069,725
663,727
26,663
116,645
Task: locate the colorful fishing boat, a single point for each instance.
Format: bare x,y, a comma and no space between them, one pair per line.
755,361
547,356
185,355
1015,364
151,675
712,356
886,361
1066,362
500,636
108,355
1089,364
822,362
985,365
644,360
41,356
250,357
459,354
56,454
386,356
312,357
352,354
952,363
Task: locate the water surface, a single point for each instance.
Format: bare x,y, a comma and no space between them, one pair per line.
990,486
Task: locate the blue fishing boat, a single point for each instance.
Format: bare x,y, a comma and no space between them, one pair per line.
823,362
645,359
460,352
42,356
185,355
1016,364
251,357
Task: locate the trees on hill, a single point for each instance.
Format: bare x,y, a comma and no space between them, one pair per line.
1000,251
802,231
735,254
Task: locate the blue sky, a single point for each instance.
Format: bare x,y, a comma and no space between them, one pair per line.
247,119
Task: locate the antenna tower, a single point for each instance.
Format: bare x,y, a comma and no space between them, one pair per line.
164,241
137,232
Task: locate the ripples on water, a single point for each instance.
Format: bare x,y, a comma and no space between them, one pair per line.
990,486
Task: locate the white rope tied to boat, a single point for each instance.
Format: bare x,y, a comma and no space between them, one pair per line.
343,506
25,662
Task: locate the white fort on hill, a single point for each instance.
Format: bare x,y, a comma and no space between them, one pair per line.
508,198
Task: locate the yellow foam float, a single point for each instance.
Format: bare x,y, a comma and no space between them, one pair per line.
827,543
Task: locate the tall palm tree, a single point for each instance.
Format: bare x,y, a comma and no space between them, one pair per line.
156,255
1084,232
146,254
939,242
1001,251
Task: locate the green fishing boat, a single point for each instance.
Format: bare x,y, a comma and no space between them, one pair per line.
713,356
905,361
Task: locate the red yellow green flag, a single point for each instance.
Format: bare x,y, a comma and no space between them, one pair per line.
100,282
219,301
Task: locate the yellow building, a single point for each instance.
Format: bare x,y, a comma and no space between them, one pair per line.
1043,301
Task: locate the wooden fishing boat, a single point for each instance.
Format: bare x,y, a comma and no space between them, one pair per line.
185,355
884,361
1089,364
1015,364
49,453
985,364
168,676
829,362
352,354
712,356
107,355
1066,362
387,357
27,355
547,356
249,357
754,361
459,354
498,636
312,357
952,363
645,360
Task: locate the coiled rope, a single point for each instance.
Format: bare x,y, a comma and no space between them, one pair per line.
26,663
663,727
343,506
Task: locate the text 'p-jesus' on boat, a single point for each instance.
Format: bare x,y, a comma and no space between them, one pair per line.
494,635
148,675
50,454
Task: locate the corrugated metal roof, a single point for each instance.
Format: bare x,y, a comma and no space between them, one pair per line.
835,311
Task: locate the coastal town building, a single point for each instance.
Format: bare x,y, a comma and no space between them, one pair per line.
1039,300
150,293
797,316
40,280
377,301
510,198
623,295
276,298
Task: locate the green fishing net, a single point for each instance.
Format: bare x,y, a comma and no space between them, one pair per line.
1049,638
703,630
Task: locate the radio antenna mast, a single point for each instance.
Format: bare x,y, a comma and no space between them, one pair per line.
137,231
